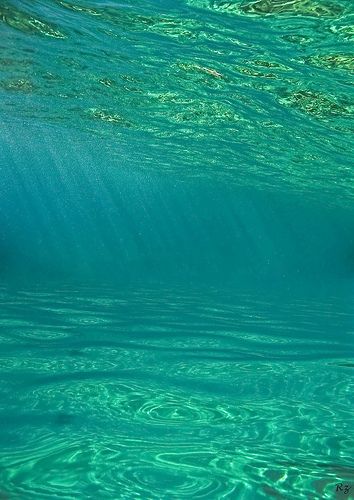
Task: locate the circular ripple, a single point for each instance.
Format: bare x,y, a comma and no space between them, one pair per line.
92,466
134,403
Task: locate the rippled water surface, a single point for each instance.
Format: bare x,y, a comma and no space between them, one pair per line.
176,249
161,393
268,79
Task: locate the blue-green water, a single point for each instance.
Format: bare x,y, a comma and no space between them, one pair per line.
176,249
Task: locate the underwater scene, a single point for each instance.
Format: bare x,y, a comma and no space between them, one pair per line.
176,249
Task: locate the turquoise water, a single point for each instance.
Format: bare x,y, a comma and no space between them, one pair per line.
176,249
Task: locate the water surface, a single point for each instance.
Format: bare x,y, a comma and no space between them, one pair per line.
176,249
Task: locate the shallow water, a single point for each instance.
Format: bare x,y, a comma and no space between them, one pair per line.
176,249
161,393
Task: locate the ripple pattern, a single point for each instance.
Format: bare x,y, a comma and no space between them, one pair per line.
192,71
121,408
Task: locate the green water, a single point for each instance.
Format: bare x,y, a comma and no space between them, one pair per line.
176,249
